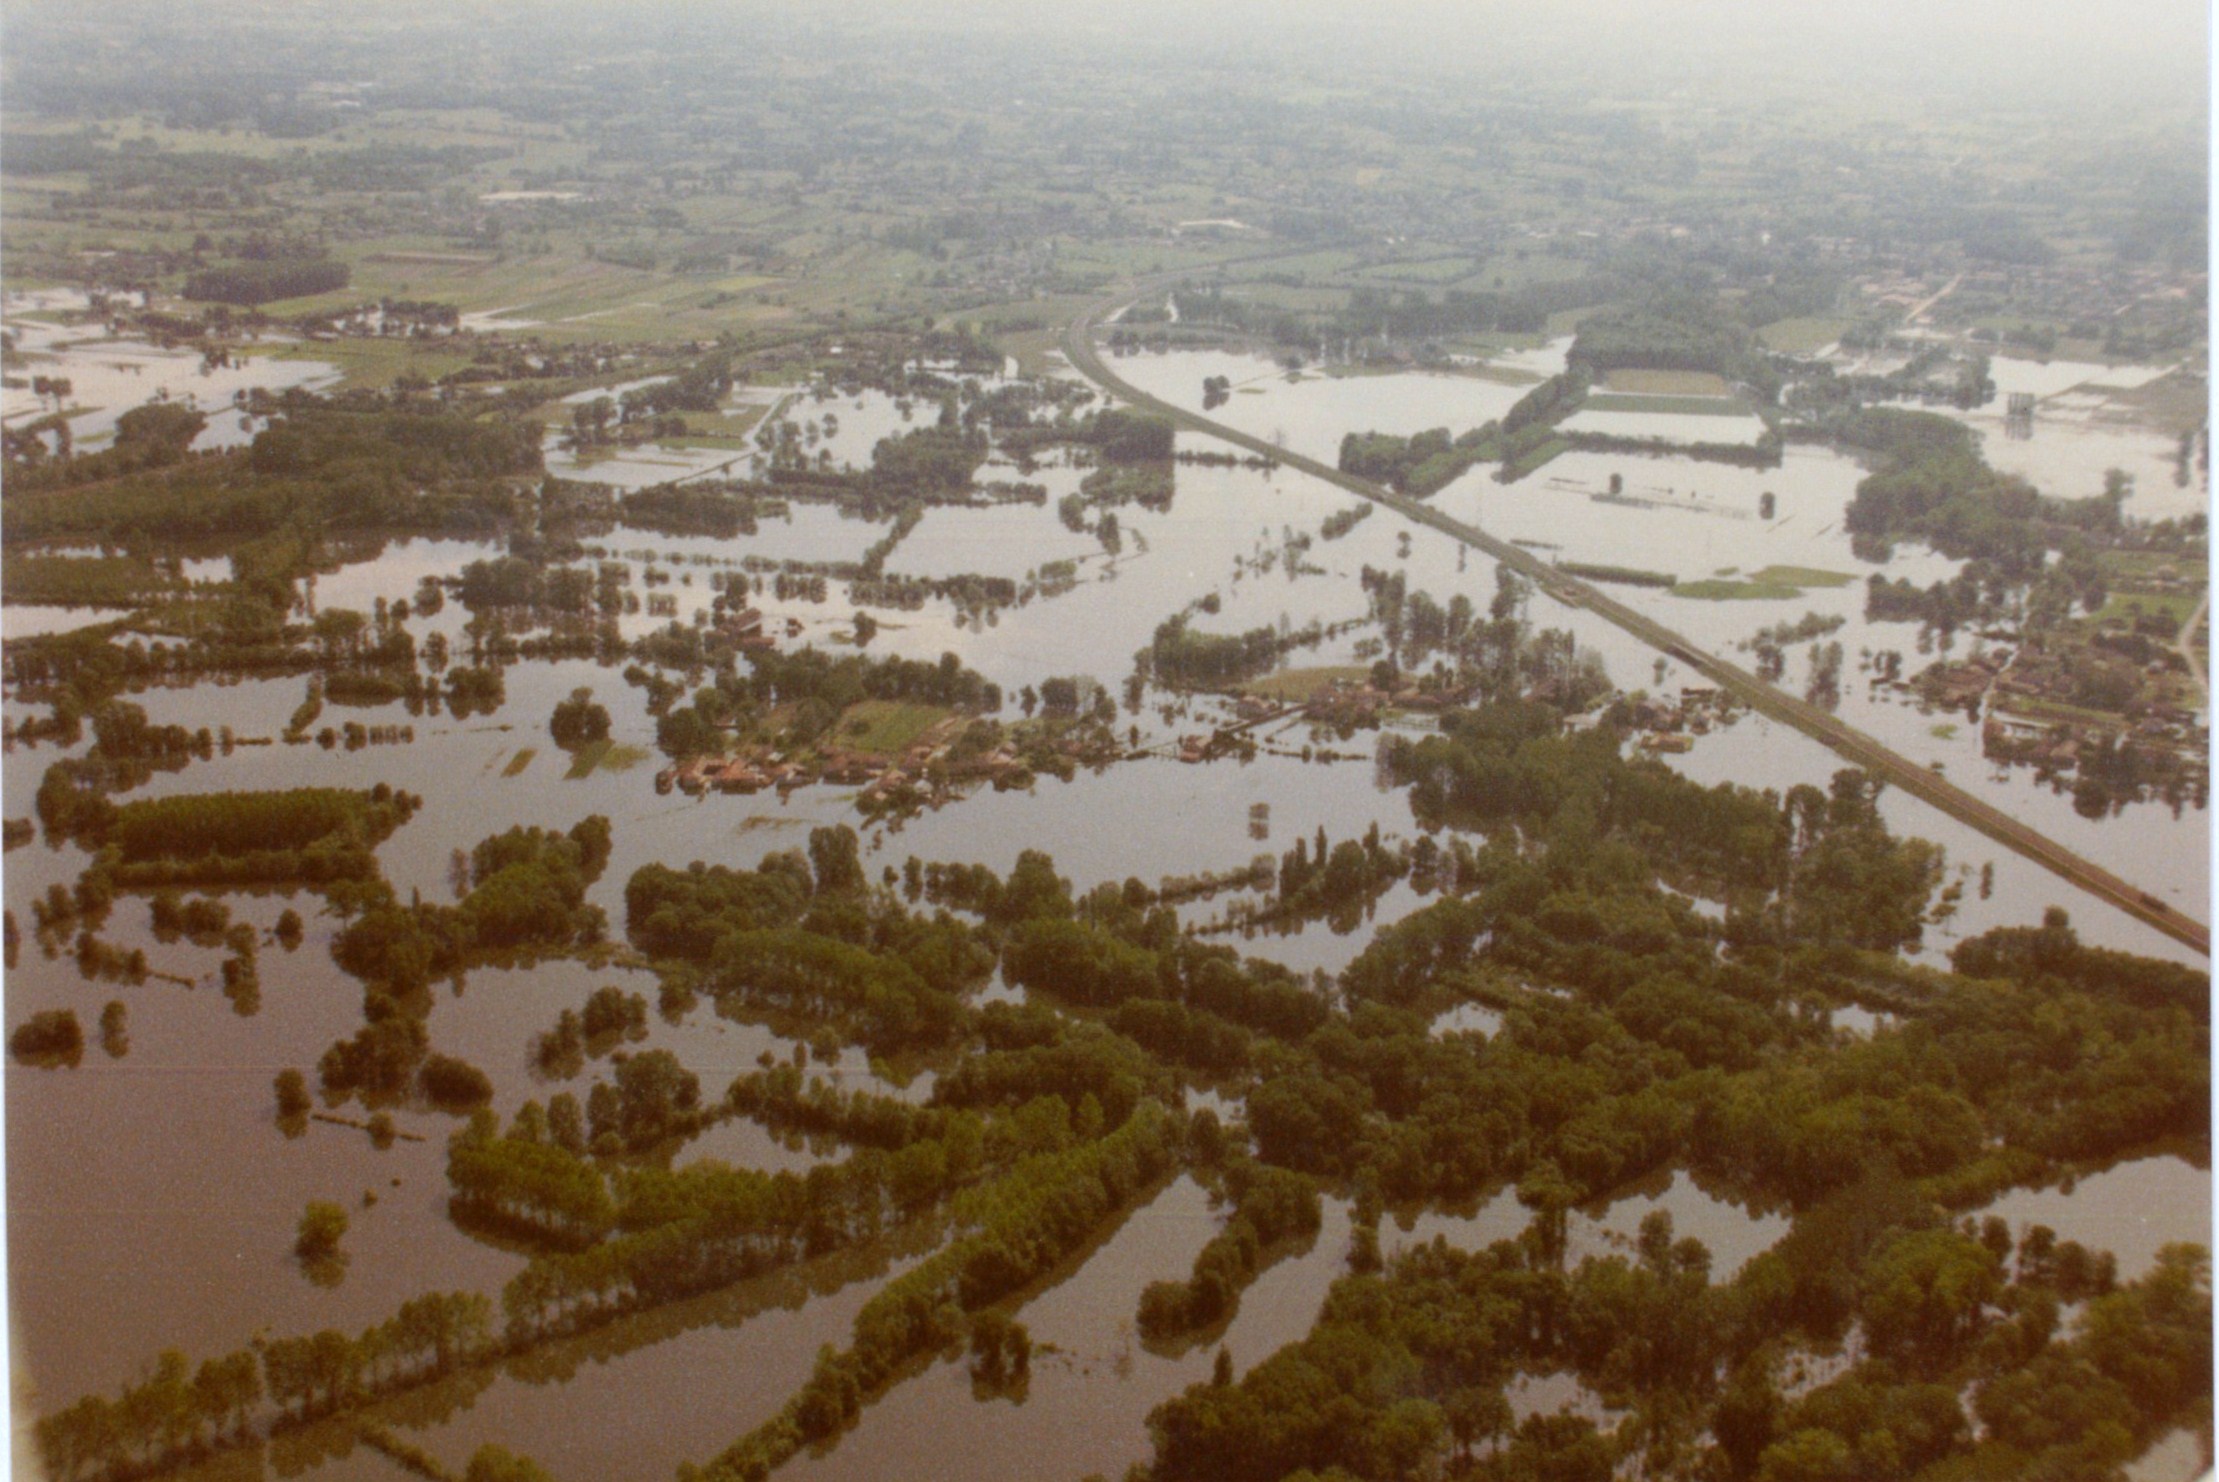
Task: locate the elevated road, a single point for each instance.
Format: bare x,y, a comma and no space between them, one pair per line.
1846,740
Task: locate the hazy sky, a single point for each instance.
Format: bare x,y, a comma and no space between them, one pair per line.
2078,56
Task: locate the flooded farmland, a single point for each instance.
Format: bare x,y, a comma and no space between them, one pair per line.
124,1188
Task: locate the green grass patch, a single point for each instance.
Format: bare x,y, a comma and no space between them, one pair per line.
2034,707
1715,589
1566,321
1802,576
1769,585
1943,732
1533,459
374,363
884,727
603,756
2123,608
1804,336
1304,685
1497,342
81,581
520,761
2133,566
1029,348
1625,576
1429,270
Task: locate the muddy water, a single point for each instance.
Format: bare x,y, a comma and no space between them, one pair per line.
988,542
1733,1235
1761,753
637,468
2173,1457
334,1455
110,375
459,767
857,423
1466,1018
190,1105
598,1406
1093,1382
2079,432
1743,429
126,1191
1310,413
1558,1394
1317,945
21,621
2131,1209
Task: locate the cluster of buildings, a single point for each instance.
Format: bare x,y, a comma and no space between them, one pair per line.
925,770
1672,725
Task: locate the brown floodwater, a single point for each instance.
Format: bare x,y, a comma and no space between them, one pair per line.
156,1194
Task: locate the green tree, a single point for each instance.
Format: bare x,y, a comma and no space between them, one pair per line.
578,721
322,1226
490,1463
1926,1294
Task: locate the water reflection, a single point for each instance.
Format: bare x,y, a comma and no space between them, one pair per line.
2130,1209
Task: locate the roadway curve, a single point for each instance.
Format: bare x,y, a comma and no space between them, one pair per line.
1849,742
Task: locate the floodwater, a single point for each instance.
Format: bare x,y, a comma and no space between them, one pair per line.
597,1405
109,375
2132,1209
1309,413
1093,1381
155,1136
2080,430
23,620
126,1194
1732,1234
1742,429
1696,521
641,467
1466,1018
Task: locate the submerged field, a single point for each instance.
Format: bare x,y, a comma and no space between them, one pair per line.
645,838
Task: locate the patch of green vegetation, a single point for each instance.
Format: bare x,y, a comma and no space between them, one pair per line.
1503,375
883,727
374,363
1302,685
1713,589
1533,458
2041,707
1566,321
81,581
2133,566
1805,336
1630,576
2123,608
1946,731
1650,381
603,756
1802,576
520,761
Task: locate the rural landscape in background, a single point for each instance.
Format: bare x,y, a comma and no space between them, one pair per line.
1198,744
